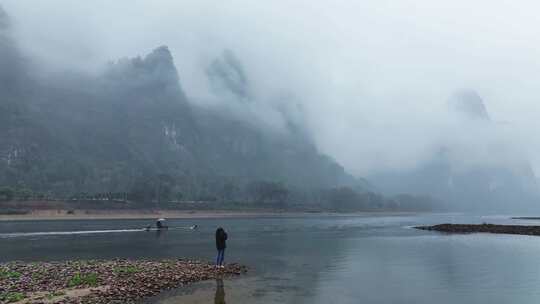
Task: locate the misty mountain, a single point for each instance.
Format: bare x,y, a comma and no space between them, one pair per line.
469,104
133,124
227,76
499,185
19,134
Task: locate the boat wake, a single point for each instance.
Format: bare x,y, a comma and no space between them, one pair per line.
54,233
24,234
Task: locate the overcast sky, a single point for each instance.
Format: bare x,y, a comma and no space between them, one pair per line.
373,76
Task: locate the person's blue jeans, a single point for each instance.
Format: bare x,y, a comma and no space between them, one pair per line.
220,257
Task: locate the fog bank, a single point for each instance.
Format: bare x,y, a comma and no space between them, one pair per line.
372,78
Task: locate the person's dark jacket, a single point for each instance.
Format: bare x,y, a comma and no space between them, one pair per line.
221,239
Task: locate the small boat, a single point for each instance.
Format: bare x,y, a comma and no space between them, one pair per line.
161,225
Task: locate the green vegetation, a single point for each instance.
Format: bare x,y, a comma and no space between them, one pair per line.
9,274
13,211
233,194
11,297
20,193
78,279
126,270
6,193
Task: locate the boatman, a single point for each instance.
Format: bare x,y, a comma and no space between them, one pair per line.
160,224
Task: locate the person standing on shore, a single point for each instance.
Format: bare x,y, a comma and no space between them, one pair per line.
221,244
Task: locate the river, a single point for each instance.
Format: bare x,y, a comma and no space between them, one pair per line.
310,259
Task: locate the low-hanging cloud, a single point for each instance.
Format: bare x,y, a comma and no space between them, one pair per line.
372,77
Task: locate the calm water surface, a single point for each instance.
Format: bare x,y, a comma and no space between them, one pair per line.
313,259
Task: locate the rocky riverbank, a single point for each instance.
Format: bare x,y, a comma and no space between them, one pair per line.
114,281
483,228
526,218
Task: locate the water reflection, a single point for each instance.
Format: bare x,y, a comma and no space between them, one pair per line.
219,297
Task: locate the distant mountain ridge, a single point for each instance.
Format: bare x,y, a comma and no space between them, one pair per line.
497,185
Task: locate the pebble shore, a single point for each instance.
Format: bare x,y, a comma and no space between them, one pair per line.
100,281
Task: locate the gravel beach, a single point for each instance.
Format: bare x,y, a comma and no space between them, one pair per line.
101,281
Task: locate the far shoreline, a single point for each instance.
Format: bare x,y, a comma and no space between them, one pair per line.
483,228
104,214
